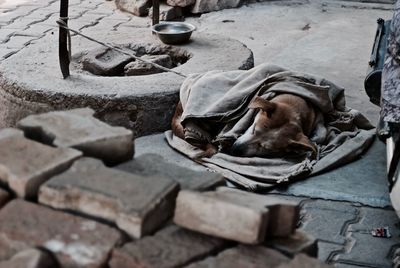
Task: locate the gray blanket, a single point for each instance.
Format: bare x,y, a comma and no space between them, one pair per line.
215,109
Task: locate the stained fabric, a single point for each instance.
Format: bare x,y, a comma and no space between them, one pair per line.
215,109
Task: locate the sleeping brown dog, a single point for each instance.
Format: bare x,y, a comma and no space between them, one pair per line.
281,127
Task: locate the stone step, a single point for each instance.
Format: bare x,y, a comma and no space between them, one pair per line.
236,215
304,261
75,241
78,129
170,247
138,205
26,164
155,165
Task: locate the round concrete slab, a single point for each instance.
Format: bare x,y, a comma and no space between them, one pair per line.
142,103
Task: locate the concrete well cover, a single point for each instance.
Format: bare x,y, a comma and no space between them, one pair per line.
31,81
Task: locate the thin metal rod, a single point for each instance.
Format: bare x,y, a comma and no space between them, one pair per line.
62,24
63,52
156,12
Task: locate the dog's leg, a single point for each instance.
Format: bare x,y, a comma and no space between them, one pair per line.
176,125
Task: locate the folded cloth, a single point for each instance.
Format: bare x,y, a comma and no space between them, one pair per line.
215,109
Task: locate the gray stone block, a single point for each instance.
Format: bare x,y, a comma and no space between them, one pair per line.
170,247
105,62
299,242
78,129
136,7
30,258
26,164
244,256
138,205
75,241
180,3
138,67
168,12
203,6
153,165
236,215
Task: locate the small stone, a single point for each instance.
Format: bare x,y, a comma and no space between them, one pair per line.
236,215
24,225
299,242
138,205
180,3
304,261
136,7
141,68
203,6
30,258
244,256
168,13
26,164
153,165
105,62
78,129
170,247
4,197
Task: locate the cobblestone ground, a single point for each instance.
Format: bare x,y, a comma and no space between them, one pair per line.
342,228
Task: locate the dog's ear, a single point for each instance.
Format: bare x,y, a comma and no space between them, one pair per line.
303,144
264,105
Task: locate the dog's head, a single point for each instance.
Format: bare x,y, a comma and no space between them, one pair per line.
276,131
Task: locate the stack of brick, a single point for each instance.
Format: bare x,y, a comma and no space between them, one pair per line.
79,212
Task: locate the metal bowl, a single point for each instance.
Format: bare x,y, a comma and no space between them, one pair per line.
171,32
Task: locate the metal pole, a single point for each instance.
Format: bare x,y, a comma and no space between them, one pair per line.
63,53
156,12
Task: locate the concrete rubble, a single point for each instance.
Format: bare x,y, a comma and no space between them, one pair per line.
80,130
136,7
104,62
30,258
26,164
151,165
236,215
168,12
170,247
137,205
96,211
4,197
141,68
75,241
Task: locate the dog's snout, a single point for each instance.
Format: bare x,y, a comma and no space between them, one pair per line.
236,149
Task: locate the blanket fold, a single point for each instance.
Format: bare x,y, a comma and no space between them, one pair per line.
215,109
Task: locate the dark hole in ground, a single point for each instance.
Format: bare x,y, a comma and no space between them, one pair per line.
108,62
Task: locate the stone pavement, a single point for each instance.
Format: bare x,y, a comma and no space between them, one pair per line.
336,44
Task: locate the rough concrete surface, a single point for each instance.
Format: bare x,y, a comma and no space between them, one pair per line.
26,164
236,215
76,242
78,129
138,205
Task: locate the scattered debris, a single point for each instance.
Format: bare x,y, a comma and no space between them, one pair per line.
381,232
